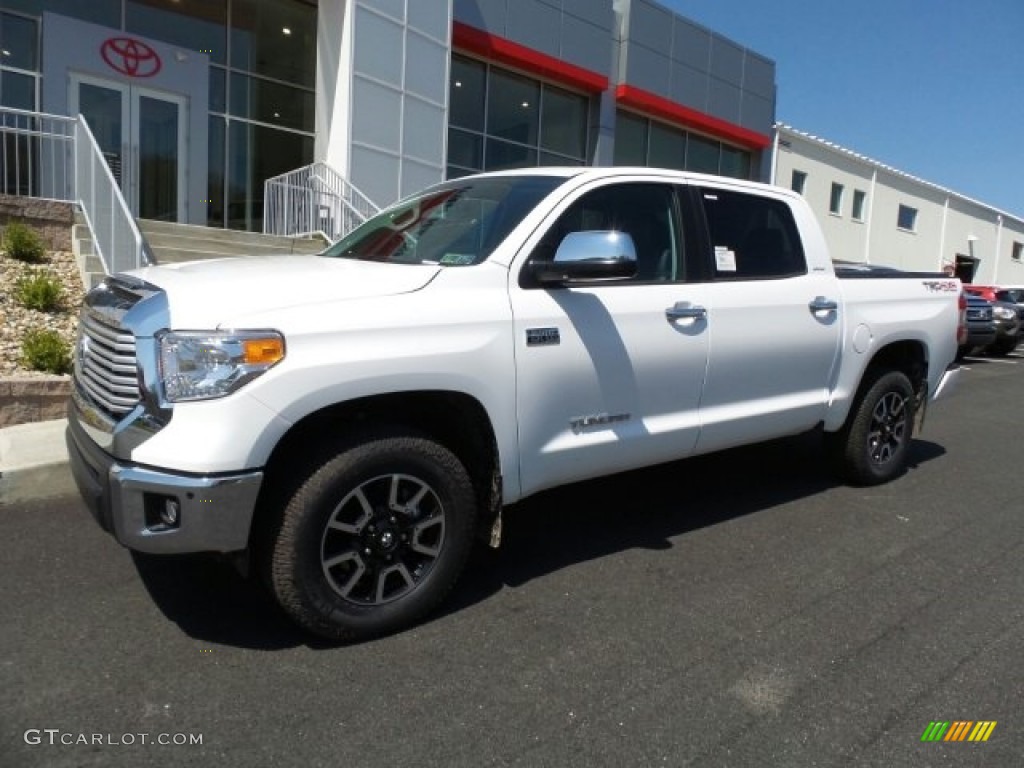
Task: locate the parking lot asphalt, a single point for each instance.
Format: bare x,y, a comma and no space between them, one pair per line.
740,609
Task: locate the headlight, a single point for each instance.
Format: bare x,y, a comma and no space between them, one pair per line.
201,365
1003,313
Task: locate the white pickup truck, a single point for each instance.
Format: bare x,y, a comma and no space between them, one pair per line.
353,421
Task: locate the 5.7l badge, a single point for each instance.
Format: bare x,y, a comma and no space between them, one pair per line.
540,337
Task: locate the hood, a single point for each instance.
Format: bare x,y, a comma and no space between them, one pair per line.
207,294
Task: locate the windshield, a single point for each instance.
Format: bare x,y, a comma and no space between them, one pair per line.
455,224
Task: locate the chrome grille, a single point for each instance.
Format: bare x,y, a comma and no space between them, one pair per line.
105,365
981,313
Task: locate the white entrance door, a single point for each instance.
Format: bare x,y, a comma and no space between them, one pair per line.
141,132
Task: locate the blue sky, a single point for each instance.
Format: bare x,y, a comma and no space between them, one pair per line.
932,87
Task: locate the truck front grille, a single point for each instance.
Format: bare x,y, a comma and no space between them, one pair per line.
981,314
105,365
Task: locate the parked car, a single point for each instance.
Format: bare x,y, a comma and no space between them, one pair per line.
981,326
1004,315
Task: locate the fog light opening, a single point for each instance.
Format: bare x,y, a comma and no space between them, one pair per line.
163,513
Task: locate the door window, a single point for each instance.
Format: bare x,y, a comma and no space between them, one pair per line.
753,237
646,212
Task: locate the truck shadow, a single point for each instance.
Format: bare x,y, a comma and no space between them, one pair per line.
211,601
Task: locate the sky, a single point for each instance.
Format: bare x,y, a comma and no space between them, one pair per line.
934,88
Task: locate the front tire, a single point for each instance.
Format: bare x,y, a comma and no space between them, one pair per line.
374,538
872,447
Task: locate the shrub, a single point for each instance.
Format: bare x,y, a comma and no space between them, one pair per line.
39,291
23,243
45,350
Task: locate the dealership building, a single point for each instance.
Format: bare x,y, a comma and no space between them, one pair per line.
196,103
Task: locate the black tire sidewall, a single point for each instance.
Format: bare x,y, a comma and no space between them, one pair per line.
857,465
296,572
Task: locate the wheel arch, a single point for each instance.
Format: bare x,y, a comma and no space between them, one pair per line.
910,356
454,419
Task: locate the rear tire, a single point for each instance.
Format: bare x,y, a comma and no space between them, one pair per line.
872,446
374,538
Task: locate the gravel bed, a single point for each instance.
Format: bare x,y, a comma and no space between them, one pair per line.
15,320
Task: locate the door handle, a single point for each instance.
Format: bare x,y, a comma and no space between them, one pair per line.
684,310
821,304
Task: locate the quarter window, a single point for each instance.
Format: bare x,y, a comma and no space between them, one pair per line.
753,237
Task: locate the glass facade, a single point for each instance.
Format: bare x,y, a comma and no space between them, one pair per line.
642,141
499,119
262,76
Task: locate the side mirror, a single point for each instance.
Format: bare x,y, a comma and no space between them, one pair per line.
603,255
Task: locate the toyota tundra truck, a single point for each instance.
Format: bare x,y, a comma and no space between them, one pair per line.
351,423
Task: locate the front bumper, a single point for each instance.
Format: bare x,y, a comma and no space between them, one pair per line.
214,512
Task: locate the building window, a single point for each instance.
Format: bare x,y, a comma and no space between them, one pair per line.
859,196
640,141
835,201
798,182
1018,251
906,219
498,119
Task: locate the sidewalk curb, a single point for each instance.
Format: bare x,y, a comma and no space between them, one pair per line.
34,462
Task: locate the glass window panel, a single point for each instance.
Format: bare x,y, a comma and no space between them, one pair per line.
276,38
564,122
630,139
859,197
702,154
218,90
835,199
906,218
199,25
104,12
215,184
735,163
19,42
798,182
270,102
668,147
512,107
502,154
255,154
466,109
454,172
547,158
465,149
17,91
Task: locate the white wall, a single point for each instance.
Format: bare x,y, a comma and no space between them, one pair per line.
383,93
947,223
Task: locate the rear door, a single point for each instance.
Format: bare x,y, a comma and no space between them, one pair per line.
773,324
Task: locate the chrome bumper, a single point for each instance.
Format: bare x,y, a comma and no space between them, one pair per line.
214,514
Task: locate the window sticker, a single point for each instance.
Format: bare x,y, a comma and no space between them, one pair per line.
725,258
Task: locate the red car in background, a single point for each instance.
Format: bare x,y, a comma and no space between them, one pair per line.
1007,312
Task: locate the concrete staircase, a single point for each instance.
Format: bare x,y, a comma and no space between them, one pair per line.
187,242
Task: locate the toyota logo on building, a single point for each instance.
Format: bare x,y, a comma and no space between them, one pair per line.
130,57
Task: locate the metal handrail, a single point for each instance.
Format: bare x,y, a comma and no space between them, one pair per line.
119,243
314,200
55,157
36,155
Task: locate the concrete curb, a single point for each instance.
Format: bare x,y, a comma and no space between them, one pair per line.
34,462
